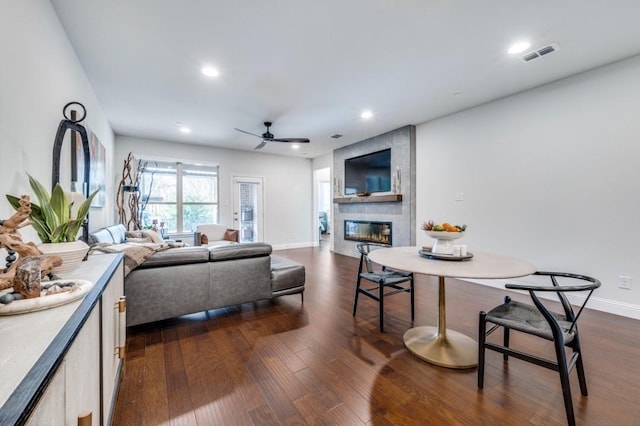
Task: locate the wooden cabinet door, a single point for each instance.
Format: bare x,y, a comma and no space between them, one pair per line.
75,387
82,372
111,330
50,409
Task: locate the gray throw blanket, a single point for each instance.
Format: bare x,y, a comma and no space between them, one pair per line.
134,253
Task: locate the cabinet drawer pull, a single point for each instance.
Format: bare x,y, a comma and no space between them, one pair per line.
84,418
121,341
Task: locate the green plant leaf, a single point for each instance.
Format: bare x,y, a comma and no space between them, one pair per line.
60,204
52,218
83,210
40,191
13,201
42,229
73,229
49,215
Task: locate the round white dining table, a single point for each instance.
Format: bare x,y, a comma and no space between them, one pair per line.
439,345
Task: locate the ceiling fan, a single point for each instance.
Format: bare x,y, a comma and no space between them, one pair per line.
268,137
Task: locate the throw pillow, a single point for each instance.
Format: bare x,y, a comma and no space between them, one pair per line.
155,237
231,235
204,239
139,240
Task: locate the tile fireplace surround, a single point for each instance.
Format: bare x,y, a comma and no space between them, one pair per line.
400,215
368,232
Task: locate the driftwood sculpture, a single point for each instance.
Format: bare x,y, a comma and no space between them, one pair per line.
10,238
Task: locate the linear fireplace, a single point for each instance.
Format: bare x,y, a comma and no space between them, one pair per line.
367,231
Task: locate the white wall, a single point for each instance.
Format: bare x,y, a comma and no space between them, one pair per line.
287,184
40,73
551,175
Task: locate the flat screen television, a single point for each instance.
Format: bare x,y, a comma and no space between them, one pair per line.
368,173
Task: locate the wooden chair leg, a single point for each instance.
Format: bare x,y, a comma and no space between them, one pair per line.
482,335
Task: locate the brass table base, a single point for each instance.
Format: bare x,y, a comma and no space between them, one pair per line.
449,349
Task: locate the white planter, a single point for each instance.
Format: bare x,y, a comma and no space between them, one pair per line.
71,253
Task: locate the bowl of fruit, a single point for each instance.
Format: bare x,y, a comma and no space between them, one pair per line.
444,234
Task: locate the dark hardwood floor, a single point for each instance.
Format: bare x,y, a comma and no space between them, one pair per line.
284,362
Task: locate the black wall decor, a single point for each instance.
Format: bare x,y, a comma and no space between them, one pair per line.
72,124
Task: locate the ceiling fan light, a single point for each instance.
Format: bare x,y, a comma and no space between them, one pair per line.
295,146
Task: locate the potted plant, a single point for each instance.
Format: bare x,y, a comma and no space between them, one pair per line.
54,221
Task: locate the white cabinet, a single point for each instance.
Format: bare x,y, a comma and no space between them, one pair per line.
73,365
113,337
81,372
76,385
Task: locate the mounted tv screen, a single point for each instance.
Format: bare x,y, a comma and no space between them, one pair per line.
368,173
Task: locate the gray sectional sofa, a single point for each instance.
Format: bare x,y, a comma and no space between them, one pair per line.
179,281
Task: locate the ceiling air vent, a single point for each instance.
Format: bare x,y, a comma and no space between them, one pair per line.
336,136
535,54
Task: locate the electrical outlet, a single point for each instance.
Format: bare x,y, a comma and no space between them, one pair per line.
459,196
625,282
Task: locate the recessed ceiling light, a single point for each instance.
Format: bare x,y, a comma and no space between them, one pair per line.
518,47
185,129
295,146
210,71
366,114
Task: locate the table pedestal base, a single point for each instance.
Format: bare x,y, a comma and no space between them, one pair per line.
450,349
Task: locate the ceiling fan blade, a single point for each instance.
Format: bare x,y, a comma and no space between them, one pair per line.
295,140
261,145
249,133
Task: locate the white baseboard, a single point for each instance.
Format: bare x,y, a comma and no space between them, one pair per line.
596,303
294,245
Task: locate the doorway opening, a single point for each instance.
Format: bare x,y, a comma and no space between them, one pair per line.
323,205
247,208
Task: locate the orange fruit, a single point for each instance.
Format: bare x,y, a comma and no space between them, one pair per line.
449,227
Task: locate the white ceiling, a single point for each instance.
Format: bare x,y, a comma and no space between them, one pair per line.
311,66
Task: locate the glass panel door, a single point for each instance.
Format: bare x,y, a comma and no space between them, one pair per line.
247,208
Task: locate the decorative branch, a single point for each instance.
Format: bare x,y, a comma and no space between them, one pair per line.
11,239
128,202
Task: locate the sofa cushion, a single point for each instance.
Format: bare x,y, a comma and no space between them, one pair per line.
177,256
101,236
114,234
118,233
239,251
286,274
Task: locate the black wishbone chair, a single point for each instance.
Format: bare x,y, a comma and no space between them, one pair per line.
537,320
383,278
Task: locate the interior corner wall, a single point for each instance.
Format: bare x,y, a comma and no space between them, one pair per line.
288,215
41,73
401,214
551,175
